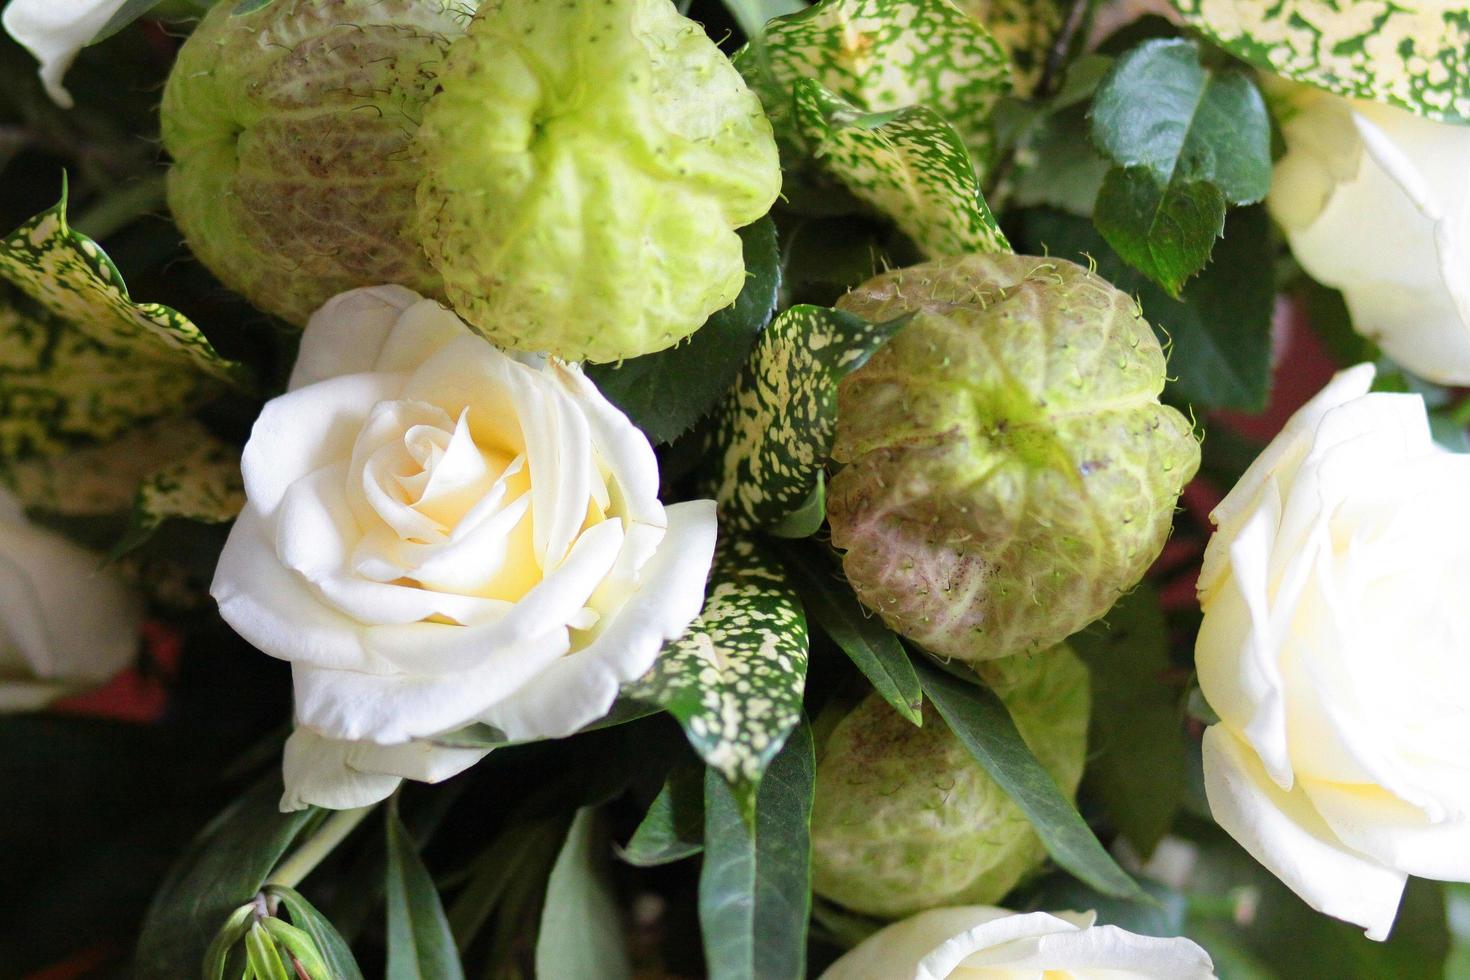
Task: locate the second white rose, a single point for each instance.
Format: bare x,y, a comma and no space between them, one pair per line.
1333,648
439,534
1376,203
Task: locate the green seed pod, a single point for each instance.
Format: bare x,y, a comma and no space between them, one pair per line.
586,166
1009,469
905,819
291,127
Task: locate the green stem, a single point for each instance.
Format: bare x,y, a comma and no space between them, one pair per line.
304,859
121,208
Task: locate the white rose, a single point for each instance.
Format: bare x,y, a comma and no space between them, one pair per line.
65,623
439,534
1376,203
976,941
1335,648
54,31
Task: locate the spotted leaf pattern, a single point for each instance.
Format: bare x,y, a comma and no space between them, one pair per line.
775,429
909,165
883,55
1412,55
80,361
735,680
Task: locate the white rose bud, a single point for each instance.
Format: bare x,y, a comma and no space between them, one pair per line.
439,534
1376,203
65,623
980,941
1334,649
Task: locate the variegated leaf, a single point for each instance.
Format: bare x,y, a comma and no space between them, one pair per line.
735,680
883,55
909,165
1412,55
774,432
1025,28
104,479
81,362
203,485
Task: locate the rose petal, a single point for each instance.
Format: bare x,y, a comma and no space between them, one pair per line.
1285,833
316,773
346,336
1371,820
581,687
54,31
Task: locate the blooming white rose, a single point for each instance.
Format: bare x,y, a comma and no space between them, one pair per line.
1335,648
439,534
977,942
65,623
54,31
1376,203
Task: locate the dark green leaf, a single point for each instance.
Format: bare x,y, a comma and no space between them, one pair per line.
876,651
221,871
665,393
1137,764
1186,140
734,681
755,887
1219,330
672,829
329,942
521,853
420,946
1164,230
581,932
979,719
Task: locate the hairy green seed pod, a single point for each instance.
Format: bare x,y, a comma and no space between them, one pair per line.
291,128
586,166
905,819
1009,471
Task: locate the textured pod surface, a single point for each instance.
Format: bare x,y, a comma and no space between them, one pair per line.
1010,470
905,819
586,166
291,129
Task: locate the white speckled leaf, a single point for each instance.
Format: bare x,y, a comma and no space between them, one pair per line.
774,432
204,485
909,165
735,680
1025,28
79,360
882,55
1412,55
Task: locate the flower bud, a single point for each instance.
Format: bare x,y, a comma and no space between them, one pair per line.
1009,469
586,166
905,819
291,128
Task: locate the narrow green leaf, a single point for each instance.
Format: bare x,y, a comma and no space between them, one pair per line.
420,946
582,932
337,955
734,681
665,393
755,886
519,853
260,952
982,723
300,946
1138,762
873,647
672,829
220,871
217,956
1412,55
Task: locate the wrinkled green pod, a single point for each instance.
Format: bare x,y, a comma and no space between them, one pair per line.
586,166
1009,471
291,128
905,819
